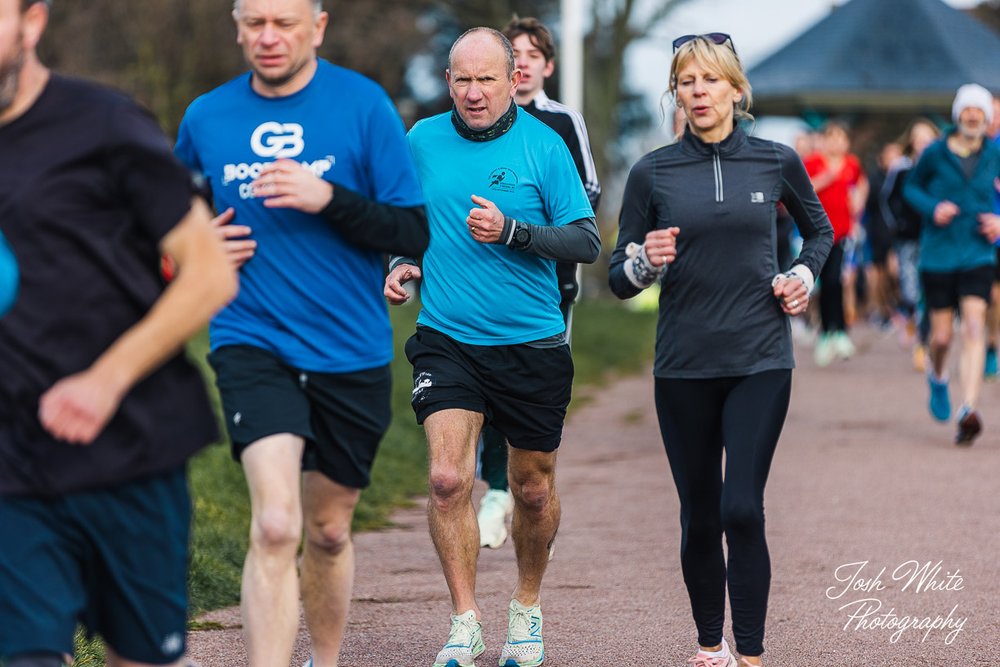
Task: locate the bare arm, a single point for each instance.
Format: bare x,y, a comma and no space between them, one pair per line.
78,407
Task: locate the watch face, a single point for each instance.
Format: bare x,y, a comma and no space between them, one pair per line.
522,236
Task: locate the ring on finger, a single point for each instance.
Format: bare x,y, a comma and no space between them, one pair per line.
795,303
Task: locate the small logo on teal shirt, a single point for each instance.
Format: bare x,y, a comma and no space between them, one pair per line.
503,179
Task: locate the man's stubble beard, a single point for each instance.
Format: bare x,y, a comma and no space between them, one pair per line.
278,81
10,73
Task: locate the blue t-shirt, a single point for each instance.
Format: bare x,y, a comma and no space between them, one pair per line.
8,276
484,294
307,295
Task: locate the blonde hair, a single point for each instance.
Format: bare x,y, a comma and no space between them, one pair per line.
719,58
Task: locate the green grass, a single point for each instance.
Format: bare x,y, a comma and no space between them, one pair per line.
608,341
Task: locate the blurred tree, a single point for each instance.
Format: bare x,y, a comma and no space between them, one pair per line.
496,13
167,52
609,108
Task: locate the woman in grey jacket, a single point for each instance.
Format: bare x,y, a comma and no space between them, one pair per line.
699,217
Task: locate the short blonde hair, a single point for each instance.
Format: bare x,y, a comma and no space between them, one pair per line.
719,58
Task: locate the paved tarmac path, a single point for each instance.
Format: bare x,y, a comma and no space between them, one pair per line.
862,475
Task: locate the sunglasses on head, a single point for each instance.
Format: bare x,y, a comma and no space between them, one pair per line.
719,38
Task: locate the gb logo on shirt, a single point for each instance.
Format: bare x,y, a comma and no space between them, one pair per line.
277,140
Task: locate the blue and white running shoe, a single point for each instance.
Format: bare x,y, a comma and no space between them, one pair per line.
524,637
465,642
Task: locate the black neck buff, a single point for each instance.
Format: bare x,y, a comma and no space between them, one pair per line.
497,129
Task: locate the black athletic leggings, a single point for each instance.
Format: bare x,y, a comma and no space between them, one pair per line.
831,291
699,419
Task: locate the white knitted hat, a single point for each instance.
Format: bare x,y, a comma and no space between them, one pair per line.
972,95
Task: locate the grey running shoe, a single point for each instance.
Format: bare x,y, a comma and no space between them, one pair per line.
465,642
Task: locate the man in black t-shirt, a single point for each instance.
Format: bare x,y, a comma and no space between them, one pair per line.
99,410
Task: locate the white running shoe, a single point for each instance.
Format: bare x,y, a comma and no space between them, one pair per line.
843,345
523,647
495,509
825,352
465,642
721,658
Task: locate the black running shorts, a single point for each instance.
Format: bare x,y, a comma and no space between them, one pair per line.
945,290
523,391
341,416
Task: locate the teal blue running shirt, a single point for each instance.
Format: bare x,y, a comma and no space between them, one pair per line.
307,295
486,294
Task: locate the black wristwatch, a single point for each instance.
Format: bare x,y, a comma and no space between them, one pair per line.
521,238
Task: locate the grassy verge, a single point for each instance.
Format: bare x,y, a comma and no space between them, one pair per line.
608,341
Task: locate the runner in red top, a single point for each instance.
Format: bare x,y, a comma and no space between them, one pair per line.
841,185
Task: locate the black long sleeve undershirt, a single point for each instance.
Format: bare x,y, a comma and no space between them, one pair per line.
396,230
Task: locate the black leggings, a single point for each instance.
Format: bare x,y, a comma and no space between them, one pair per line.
831,291
698,420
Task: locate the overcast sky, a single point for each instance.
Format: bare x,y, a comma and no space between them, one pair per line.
758,28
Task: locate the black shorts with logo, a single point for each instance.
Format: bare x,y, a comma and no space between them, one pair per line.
114,559
523,391
341,416
943,290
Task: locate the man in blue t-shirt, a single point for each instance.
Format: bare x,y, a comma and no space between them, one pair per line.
490,340
534,55
309,165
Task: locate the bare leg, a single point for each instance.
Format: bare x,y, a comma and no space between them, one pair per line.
973,352
942,325
327,563
270,596
536,518
993,317
451,439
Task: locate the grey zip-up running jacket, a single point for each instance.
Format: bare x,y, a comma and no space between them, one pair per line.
718,315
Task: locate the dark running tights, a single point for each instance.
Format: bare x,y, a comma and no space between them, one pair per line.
698,420
831,291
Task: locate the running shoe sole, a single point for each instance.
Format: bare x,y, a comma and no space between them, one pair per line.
511,662
455,663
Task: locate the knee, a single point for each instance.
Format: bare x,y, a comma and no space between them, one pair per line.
330,537
941,338
743,518
973,330
276,529
701,529
448,486
534,493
